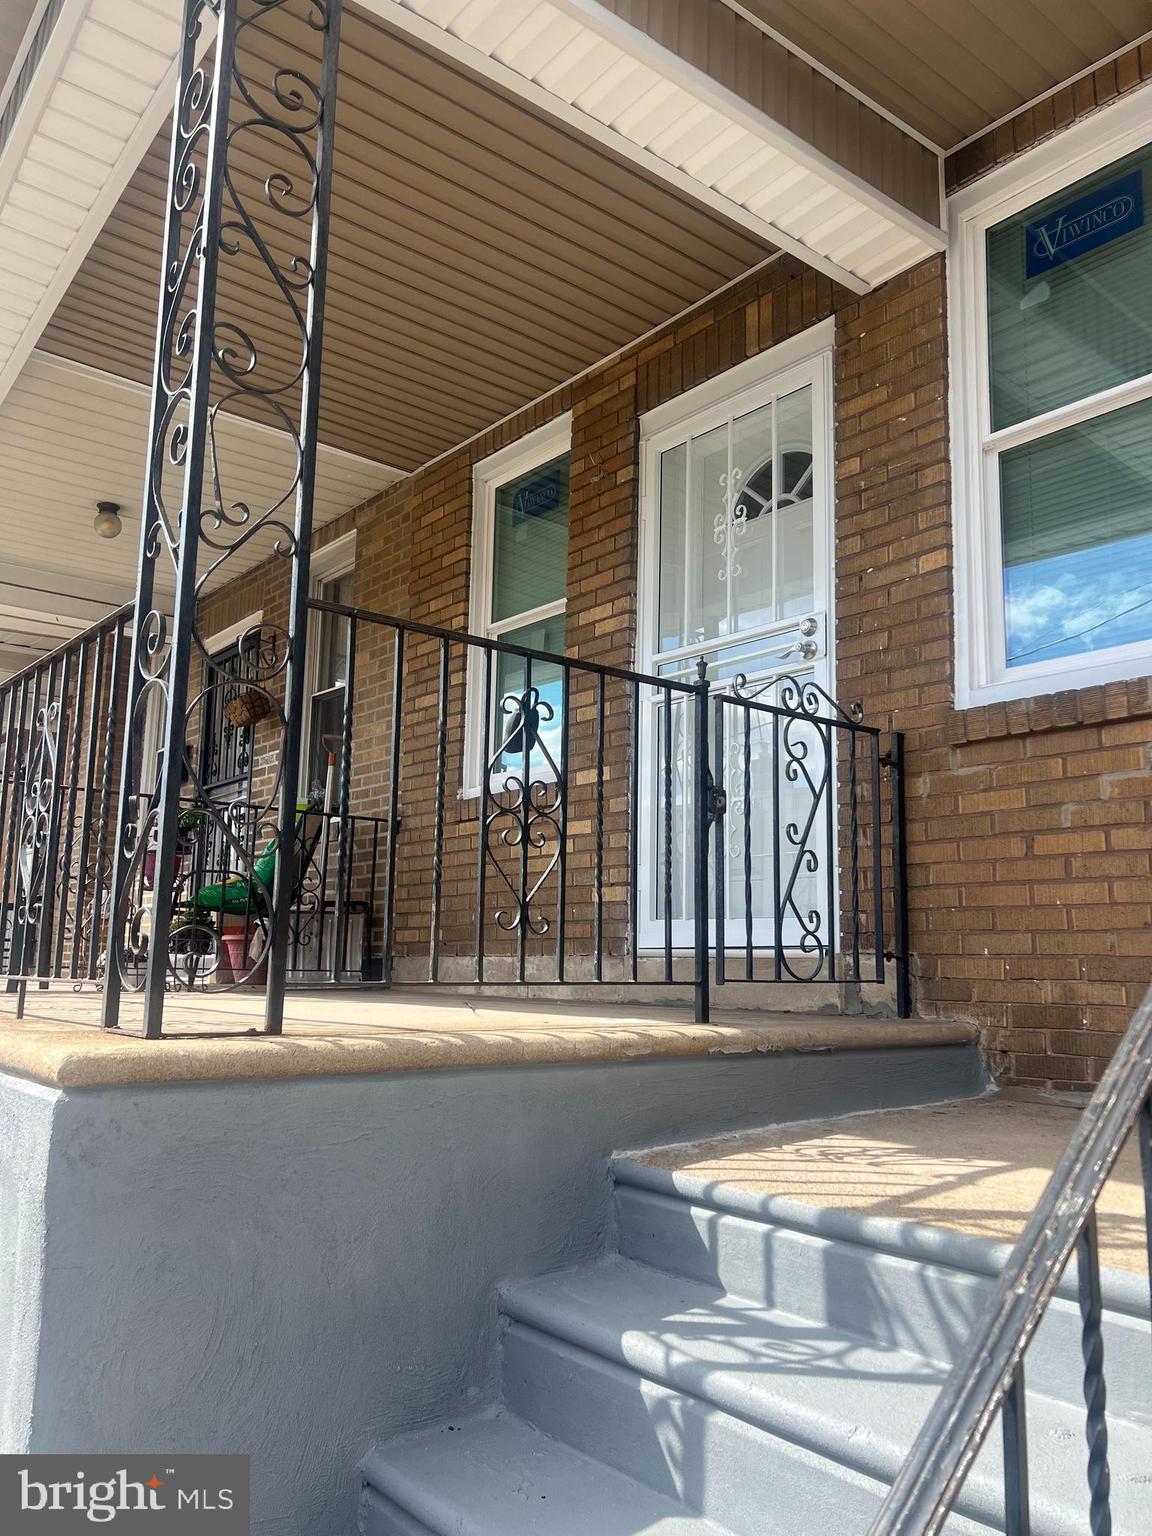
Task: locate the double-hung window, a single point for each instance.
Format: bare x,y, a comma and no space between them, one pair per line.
519,588
327,669
1051,301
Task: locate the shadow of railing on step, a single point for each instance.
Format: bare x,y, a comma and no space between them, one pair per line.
988,1379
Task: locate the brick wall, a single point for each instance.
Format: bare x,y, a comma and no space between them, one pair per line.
1030,842
413,559
1030,845
1054,112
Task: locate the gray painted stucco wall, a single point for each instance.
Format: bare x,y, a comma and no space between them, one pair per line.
26,1111
296,1270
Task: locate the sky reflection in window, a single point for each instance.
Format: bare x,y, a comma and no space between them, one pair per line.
1088,600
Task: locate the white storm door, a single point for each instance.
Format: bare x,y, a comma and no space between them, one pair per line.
736,569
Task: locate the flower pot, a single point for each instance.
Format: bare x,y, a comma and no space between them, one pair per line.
235,945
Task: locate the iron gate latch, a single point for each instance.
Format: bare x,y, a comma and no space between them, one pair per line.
717,800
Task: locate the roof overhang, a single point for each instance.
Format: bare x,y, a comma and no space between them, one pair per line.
101,91
104,83
521,187
583,62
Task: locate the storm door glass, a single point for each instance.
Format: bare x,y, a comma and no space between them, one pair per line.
738,571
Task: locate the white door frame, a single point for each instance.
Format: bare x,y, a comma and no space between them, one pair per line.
806,359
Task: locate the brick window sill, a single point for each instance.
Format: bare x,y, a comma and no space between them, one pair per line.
1128,700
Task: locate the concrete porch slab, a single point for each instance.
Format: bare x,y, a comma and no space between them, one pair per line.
216,1037
976,1167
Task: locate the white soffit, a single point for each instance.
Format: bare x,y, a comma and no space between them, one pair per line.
608,79
71,436
102,90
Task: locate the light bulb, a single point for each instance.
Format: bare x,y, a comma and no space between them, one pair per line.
107,520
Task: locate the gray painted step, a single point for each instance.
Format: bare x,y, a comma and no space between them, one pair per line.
749,1366
683,1447
495,1475
802,1260
841,1397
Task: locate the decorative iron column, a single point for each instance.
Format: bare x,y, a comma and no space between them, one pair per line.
247,213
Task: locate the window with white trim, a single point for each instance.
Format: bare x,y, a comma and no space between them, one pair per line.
330,580
1052,356
519,588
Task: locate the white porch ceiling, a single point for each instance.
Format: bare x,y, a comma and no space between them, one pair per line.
720,183
104,88
615,82
101,91
70,437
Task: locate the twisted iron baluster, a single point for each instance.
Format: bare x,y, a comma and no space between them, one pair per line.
667,834
1144,1137
854,856
482,830
598,938
1017,1519
561,822
526,745
438,822
1092,1347
749,954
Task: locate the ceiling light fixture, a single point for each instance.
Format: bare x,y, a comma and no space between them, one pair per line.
107,520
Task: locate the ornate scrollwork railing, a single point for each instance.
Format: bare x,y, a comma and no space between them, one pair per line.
524,792
802,862
228,234
550,820
59,728
567,841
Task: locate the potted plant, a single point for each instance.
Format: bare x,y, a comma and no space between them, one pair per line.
186,832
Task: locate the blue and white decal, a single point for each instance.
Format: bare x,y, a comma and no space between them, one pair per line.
1090,221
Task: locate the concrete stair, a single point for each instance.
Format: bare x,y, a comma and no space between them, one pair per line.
749,1366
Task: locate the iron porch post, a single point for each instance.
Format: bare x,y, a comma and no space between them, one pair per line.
702,834
158,658
209,364
331,12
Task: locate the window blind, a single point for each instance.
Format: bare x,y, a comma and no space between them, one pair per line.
1079,326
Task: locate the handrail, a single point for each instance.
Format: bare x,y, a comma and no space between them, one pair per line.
988,1374
504,647
105,621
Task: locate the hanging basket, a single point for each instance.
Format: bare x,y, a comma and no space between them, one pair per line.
248,708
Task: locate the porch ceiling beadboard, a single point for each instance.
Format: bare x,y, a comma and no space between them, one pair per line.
950,68
102,88
716,102
480,255
69,437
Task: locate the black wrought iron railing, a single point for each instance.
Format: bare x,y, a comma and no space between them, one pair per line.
475,812
522,833
226,868
811,819
988,1379
550,820
61,725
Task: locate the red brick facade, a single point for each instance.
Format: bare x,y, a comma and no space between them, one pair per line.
1030,842
1052,113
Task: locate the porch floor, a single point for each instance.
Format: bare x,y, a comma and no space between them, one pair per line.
977,1166
215,1036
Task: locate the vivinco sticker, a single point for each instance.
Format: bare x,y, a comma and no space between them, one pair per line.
1083,225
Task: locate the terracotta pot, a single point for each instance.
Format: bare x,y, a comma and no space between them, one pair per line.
235,944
